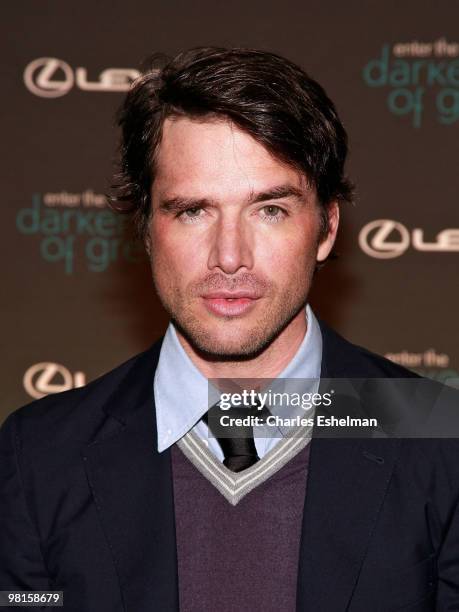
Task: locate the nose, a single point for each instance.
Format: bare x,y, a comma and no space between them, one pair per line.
230,246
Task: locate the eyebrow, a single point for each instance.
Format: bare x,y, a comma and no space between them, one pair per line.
179,204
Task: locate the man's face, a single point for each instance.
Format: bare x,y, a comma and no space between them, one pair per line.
234,237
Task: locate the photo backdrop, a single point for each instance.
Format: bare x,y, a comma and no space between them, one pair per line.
77,294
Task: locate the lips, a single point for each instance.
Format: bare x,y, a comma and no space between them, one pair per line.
230,295
230,303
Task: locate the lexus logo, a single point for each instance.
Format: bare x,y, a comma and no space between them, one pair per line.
49,77
44,378
38,77
386,239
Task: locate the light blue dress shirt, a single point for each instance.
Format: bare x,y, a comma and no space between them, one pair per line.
181,391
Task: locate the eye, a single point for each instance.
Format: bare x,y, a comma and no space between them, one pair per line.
272,213
190,215
191,212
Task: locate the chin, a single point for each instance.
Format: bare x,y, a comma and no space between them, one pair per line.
229,344
231,350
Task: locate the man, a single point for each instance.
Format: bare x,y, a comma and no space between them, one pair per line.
118,494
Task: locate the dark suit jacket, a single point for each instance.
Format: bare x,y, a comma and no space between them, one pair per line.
87,506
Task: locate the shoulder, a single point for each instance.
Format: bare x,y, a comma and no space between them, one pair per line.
342,358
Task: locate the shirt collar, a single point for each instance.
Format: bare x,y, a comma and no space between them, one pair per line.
181,391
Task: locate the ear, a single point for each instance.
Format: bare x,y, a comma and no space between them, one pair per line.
326,245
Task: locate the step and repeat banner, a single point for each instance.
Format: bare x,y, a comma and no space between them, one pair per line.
77,294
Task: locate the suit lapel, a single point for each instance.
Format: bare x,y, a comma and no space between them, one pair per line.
132,488
344,494
347,482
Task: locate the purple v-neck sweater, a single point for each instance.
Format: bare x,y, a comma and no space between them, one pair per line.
241,558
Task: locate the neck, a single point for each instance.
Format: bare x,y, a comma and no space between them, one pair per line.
268,364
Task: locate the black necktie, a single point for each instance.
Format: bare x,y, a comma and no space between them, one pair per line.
239,447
